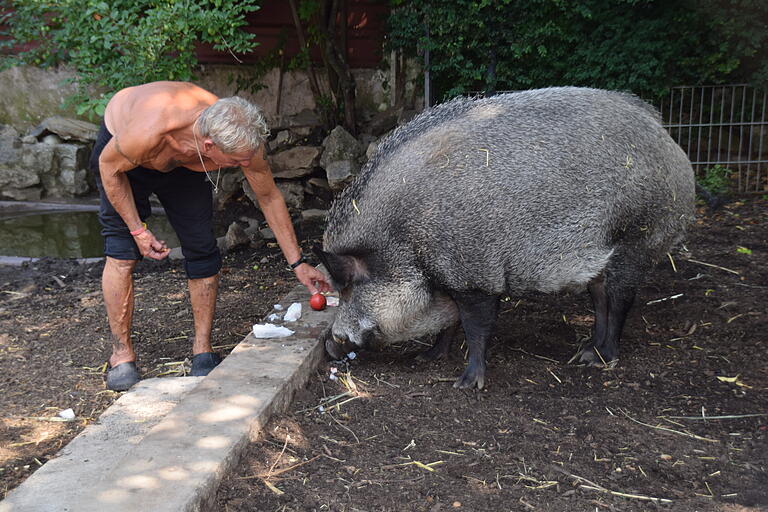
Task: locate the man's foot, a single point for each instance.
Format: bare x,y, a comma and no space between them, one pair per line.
122,376
202,364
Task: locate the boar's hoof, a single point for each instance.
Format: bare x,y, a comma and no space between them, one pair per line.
470,379
590,357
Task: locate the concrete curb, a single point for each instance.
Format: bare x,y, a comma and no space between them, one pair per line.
179,462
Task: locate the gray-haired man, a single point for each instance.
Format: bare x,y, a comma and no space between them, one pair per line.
163,138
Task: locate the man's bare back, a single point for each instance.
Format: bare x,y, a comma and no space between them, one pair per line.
152,125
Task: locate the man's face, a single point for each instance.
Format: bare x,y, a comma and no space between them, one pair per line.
237,159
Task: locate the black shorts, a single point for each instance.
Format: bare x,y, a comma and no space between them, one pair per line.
188,202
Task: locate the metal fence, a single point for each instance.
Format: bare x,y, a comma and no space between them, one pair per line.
721,125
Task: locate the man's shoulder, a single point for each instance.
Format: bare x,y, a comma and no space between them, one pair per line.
162,96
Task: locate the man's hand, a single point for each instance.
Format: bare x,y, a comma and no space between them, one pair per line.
151,247
313,279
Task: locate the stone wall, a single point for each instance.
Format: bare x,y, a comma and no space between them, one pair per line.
44,147
32,94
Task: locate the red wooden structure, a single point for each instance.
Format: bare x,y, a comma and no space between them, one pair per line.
273,25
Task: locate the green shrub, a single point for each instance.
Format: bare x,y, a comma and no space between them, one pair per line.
716,179
116,44
644,46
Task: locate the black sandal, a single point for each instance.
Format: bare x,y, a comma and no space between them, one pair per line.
122,376
203,363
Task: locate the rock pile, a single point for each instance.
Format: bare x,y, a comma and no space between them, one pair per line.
51,162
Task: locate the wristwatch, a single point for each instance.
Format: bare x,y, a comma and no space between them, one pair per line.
298,262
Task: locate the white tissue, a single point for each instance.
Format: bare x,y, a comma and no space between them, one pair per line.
271,331
293,313
331,301
278,307
273,317
67,414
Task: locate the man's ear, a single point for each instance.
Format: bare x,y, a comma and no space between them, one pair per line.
344,269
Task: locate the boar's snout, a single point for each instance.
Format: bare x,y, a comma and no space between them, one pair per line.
337,348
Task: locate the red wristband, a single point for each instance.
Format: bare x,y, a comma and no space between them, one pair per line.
137,232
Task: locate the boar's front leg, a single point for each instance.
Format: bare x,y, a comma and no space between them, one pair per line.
477,312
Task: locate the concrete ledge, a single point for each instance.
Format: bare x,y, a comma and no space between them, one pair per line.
84,461
178,463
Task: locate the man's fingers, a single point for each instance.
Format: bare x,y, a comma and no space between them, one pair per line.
158,255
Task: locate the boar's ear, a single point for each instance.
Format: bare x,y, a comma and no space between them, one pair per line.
344,269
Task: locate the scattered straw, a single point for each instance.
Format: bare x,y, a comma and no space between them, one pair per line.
726,417
600,356
536,356
280,471
426,467
672,261
272,488
671,297
357,440
686,434
592,486
714,266
285,445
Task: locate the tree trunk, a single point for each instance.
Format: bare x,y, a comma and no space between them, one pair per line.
335,56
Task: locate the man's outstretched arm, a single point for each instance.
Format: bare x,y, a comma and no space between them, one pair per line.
275,211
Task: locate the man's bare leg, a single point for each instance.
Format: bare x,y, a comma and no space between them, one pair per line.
202,294
117,286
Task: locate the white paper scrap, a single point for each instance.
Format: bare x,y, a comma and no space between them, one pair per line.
293,313
67,414
332,301
278,307
273,317
271,331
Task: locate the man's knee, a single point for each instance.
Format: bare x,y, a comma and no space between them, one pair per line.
121,266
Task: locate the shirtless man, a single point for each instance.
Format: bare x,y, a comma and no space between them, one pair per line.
164,137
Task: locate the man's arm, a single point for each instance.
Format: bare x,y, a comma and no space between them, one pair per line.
275,211
113,165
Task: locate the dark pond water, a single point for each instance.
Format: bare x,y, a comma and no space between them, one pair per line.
64,234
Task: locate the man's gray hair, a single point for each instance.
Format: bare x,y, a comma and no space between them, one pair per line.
234,125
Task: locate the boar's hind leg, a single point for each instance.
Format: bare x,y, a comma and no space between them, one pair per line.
440,349
477,312
612,299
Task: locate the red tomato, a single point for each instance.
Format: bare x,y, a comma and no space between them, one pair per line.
317,302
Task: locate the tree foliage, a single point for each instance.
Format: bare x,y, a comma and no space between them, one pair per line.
120,43
640,45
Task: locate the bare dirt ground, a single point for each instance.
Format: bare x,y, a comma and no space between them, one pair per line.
544,435
681,424
54,339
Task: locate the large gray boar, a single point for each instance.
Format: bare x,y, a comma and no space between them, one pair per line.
551,189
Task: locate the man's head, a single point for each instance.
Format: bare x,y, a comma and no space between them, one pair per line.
234,125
